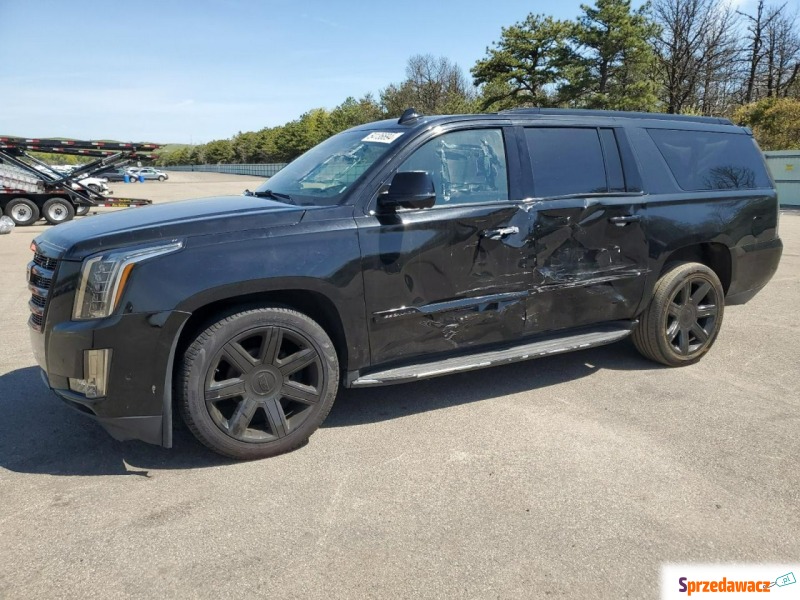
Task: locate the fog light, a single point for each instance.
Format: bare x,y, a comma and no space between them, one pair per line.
95,370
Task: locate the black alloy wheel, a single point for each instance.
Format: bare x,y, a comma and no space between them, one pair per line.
684,317
258,383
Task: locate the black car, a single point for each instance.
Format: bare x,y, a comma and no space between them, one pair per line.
401,250
114,174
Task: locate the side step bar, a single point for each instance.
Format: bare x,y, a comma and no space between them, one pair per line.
554,344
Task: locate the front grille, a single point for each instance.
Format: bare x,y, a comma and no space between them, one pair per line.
39,282
45,262
40,277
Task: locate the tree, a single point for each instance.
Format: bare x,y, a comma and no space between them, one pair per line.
775,122
218,151
696,53
432,85
612,62
781,55
302,134
354,112
524,67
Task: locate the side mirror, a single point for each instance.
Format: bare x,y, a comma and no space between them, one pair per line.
409,189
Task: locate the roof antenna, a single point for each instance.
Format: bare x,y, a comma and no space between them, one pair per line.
409,114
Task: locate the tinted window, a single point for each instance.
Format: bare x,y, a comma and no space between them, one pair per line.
566,161
702,160
466,166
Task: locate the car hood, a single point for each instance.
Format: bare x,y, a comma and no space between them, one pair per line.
174,220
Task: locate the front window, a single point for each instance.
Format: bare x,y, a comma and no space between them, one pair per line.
323,175
466,166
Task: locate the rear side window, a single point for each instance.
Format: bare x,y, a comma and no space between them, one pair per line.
703,160
570,160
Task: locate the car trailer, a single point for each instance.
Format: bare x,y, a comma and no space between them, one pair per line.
31,189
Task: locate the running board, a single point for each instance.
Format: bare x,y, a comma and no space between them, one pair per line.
586,338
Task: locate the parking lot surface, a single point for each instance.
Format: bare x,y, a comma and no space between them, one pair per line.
574,476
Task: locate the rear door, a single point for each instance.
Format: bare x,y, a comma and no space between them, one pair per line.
589,244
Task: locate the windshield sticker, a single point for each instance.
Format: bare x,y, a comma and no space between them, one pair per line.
384,137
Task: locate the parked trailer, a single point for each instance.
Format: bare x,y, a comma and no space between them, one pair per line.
31,189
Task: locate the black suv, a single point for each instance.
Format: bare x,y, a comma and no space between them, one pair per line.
400,250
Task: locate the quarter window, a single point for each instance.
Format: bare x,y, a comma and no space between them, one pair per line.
466,166
709,160
566,161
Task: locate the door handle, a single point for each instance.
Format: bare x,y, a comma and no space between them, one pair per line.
624,220
499,234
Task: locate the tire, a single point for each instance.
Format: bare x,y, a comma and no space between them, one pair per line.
82,210
94,187
684,317
258,383
162,178
22,211
58,210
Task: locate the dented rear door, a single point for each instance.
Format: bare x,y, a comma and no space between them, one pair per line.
588,240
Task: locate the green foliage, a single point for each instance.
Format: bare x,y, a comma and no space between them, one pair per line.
525,66
612,64
601,60
775,122
56,158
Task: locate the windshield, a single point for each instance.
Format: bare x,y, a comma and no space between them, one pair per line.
322,176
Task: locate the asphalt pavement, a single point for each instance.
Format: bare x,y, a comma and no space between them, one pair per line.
573,476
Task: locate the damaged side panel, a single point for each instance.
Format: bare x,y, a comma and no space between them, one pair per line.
445,279
589,262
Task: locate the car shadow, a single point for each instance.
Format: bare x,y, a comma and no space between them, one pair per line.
41,435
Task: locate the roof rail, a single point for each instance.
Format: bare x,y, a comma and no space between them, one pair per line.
580,112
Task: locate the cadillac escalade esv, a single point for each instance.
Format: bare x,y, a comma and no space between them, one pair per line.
400,250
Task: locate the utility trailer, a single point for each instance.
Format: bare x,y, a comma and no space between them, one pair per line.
31,189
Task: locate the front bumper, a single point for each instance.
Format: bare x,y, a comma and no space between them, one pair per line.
138,403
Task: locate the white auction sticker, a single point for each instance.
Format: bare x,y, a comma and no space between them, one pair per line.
384,137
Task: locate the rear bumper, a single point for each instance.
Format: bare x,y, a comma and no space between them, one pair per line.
138,403
752,267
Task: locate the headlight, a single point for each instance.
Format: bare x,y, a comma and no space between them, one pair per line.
103,279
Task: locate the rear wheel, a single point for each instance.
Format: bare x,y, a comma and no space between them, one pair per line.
258,383
82,210
22,211
94,187
684,316
58,210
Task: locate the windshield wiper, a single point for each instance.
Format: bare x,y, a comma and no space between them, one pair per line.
271,194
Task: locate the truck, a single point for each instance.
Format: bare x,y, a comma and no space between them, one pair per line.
31,189
401,250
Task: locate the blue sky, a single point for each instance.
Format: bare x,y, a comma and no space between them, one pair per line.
193,71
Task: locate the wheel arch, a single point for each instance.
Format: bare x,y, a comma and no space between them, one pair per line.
312,303
714,255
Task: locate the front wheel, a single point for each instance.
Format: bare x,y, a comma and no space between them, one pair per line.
161,178
684,316
258,383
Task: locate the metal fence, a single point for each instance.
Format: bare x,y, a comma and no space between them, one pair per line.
785,168
255,170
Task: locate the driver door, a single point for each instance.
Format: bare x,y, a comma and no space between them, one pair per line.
456,275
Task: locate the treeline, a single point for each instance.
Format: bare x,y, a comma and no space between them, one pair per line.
679,56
